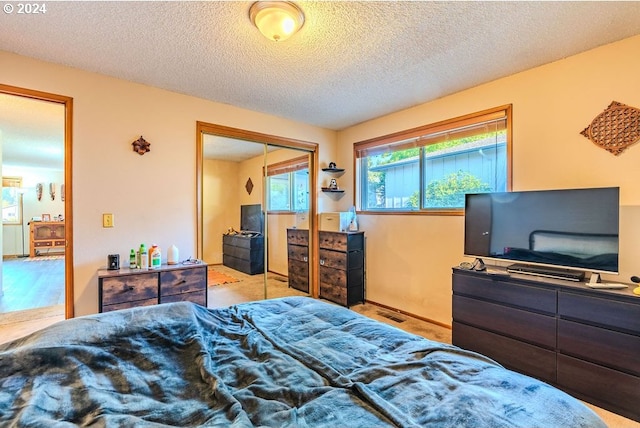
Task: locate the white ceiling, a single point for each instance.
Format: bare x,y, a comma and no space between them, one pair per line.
31,132
351,61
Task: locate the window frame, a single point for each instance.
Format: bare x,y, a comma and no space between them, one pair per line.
415,137
290,167
14,183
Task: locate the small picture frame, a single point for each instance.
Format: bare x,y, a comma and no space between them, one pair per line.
46,217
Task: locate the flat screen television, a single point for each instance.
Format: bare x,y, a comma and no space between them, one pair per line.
251,218
570,228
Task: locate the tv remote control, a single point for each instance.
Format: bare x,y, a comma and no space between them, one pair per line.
607,285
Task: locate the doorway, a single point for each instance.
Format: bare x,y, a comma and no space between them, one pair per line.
233,172
37,256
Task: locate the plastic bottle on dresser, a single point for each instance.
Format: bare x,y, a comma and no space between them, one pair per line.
172,255
156,257
150,251
144,258
133,263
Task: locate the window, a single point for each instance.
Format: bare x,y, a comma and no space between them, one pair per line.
288,185
430,169
11,200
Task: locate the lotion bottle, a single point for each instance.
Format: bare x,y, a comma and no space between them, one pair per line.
156,257
144,258
132,259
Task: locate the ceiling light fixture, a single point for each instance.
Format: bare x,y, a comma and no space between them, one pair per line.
276,20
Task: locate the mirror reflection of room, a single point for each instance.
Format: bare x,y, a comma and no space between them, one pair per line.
251,194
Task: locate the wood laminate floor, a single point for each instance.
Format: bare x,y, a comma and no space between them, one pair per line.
31,283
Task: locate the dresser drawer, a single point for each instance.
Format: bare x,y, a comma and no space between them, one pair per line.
39,244
298,236
174,282
606,347
127,305
197,297
528,326
341,241
513,354
616,391
507,292
241,241
333,293
345,296
340,260
604,312
130,288
298,252
334,277
299,275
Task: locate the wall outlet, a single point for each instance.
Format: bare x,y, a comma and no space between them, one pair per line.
107,220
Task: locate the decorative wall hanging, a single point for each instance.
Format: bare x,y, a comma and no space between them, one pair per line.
249,185
616,128
141,146
52,191
39,187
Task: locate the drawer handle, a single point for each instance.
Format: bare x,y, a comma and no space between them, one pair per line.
321,262
305,259
181,282
129,288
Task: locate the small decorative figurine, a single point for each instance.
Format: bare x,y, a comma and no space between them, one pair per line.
141,146
332,165
333,184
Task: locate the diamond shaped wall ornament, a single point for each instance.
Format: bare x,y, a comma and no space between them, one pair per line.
249,185
616,128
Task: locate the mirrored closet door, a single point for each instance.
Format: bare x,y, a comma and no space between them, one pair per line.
255,194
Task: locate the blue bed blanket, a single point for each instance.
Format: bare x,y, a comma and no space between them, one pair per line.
290,362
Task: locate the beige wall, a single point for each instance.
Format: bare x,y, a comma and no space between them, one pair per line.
409,258
226,180
153,196
220,205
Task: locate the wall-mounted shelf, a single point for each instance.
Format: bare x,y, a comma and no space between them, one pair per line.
333,169
330,190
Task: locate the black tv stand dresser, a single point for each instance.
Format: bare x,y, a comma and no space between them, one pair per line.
244,252
583,341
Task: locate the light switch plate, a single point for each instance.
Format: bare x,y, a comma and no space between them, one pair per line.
107,220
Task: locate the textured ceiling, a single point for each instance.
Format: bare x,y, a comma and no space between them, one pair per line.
351,61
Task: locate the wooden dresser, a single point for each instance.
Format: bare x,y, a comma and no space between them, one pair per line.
583,341
46,235
127,288
244,253
342,267
298,258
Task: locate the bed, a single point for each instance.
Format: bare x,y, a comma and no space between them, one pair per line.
288,362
